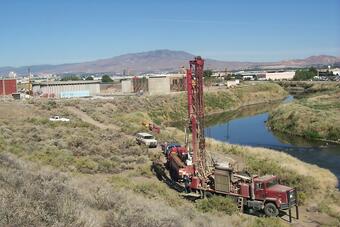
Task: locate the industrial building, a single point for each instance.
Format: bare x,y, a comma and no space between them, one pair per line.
284,75
66,89
266,75
8,86
161,84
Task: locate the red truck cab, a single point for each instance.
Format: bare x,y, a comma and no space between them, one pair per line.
274,195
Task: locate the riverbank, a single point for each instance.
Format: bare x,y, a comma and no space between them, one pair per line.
173,108
316,115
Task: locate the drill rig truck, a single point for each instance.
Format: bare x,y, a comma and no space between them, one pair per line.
188,165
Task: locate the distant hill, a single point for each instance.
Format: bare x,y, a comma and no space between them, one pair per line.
163,61
310,61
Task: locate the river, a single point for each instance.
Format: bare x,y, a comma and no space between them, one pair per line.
248,127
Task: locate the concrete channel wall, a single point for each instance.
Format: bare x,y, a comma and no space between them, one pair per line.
159,85
127,86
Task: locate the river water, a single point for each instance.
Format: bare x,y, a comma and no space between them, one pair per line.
248,127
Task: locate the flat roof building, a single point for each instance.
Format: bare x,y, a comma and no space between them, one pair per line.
286,75
66,89
8,86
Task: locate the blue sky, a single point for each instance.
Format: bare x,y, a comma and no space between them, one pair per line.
65,31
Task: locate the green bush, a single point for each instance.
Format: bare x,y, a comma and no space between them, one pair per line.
144,170
86,165
217,204
121,181
157,190
312,134
53,157
107,166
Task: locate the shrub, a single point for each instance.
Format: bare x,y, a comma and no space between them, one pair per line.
86,165
143,170
157,190
120,181
107,166
136,211
53,157
312,134
35,198
330,205
222,204
267,221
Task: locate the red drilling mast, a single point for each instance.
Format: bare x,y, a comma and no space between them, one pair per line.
194,79
189,169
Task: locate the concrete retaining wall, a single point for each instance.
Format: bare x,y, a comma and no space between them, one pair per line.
127,86
159,85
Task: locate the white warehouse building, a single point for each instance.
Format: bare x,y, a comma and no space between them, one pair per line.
66,89
286,75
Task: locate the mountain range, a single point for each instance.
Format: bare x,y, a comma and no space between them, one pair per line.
163,61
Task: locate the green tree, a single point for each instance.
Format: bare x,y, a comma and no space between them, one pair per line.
207,73
70,77
305,74
106,79
89,78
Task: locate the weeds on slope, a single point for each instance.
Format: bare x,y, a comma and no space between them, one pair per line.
36,198
71,146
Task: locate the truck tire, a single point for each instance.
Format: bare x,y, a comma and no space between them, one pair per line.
271,210
208,195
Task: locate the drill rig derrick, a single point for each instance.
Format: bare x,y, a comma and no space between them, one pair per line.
191,171
194,80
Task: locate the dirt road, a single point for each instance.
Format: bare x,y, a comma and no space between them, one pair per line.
86,118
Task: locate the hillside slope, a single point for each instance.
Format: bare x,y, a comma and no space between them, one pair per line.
162,61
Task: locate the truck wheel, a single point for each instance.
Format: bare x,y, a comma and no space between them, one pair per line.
208,195
271,210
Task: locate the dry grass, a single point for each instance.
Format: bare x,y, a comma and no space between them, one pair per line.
32,197
315,116
74,146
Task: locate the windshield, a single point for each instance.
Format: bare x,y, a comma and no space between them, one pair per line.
148,137
272,183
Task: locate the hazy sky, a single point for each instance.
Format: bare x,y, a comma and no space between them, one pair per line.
64,31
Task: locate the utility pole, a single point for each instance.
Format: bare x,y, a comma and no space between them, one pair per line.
3,87
48,89
30,86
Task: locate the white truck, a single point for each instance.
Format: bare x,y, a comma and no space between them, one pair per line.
58,118
146,139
